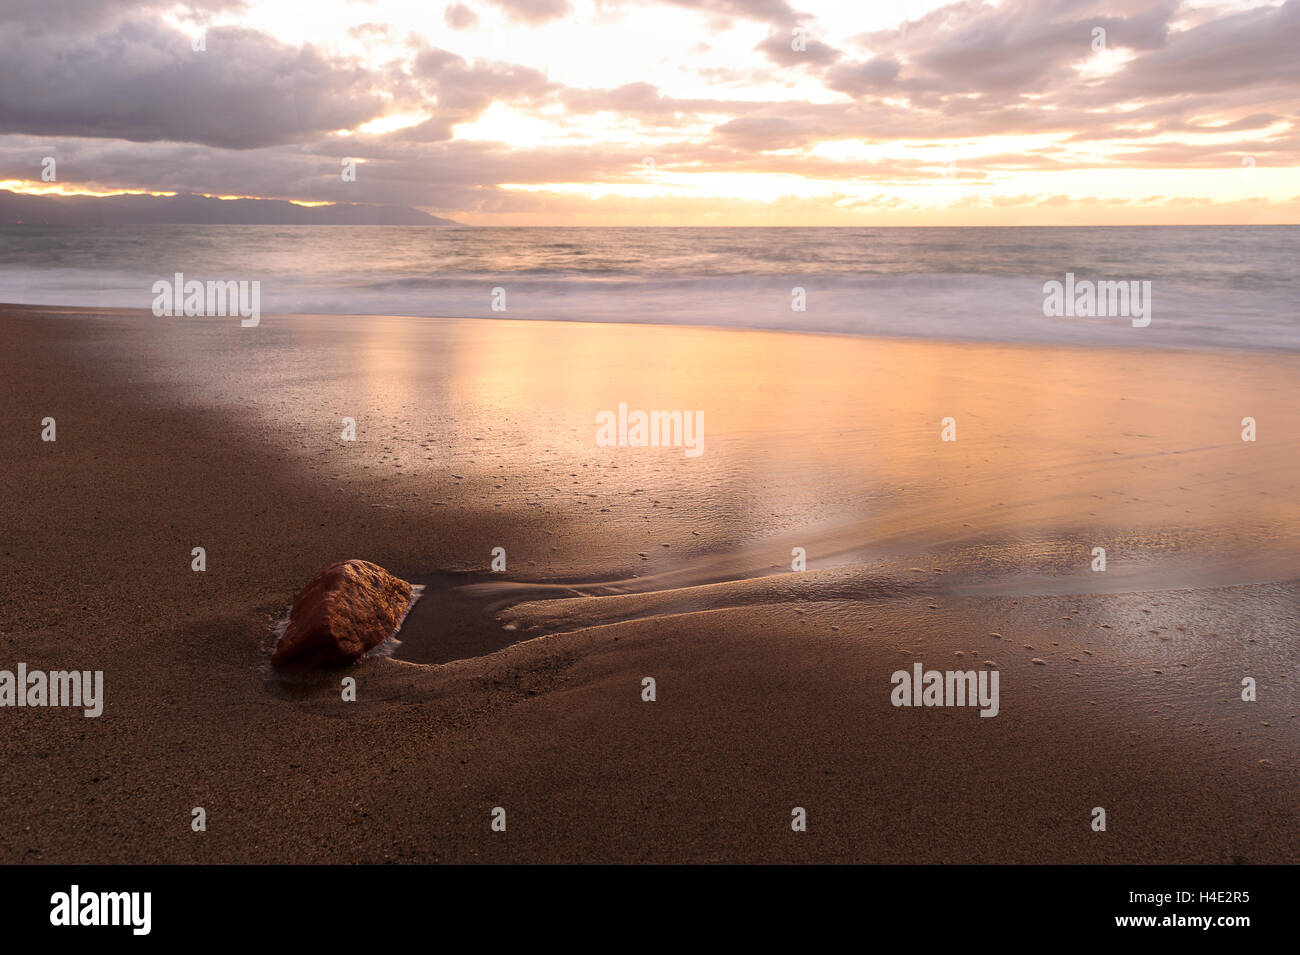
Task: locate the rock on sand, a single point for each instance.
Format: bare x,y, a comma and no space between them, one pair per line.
346,610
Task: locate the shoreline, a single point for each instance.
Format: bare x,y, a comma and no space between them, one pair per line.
773,687
1244,350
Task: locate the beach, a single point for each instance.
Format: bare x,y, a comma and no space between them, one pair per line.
522,688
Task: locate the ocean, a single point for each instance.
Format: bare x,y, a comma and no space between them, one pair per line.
1210,286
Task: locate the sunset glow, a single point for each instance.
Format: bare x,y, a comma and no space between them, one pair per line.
552,112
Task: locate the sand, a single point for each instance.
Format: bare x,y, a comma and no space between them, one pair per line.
523,689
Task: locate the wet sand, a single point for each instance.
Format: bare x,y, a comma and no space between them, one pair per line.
522,689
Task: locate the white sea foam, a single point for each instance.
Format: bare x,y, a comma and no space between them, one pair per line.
1216,286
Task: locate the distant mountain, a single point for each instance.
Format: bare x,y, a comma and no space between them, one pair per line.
197,210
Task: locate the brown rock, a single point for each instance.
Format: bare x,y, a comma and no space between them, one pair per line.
348,609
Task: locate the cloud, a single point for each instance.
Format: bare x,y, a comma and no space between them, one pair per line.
533,11
463,89
770,11
779,48
121,99
762,133
91,16
1021,46
371,30
143,82
460,17
871,76
1257,48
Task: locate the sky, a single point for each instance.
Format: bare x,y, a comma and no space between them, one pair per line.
674,112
